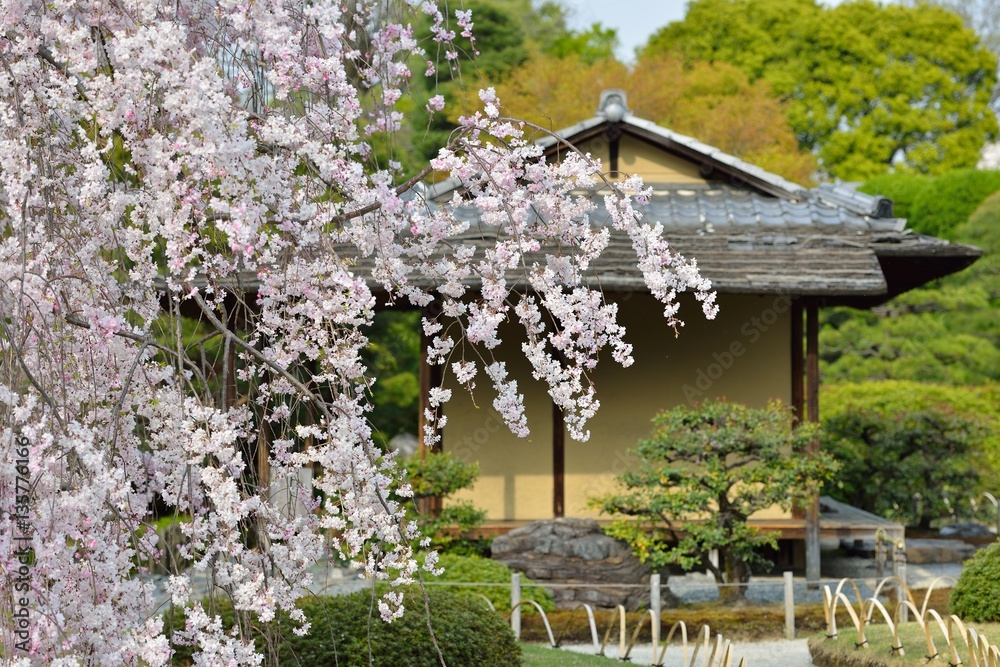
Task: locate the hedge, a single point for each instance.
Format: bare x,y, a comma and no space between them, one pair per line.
347,631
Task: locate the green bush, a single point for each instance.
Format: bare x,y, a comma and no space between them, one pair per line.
912,466
893,397
950,199
441,474
976,596
902,189
485,571
347,631
935,205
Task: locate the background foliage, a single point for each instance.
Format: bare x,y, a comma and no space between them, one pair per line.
913,93
700,476
899,438
347,632
945,332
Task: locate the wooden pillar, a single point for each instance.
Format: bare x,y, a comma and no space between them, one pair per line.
812,415
798,370
558,462
430,377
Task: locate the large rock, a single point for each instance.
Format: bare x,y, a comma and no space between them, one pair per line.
576,551
967,529
938,551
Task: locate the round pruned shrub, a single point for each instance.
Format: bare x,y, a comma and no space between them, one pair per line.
475,569
346,631
976,596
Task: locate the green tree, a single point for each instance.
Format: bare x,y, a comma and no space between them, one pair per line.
974,404
715,103
393,355
944,332
701,474
868,87
439,475
912,466
589,46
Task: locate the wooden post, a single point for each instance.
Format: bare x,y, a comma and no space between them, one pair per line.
789,606
515,600
655,606
798,373
812,414
558,462
430,377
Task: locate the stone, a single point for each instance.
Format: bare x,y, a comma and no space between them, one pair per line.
404,443
966,529
576,551
921,552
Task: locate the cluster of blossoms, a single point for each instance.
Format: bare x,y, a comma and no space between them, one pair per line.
187,193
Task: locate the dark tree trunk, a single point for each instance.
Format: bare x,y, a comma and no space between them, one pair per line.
737,572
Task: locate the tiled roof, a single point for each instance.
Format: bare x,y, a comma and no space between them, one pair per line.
764,235
731,209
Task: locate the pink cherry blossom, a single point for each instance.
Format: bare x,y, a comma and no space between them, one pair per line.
197,229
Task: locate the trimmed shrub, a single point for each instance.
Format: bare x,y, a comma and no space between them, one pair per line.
976,596
486,571
935,205
347,631
902,189
888,460
950,199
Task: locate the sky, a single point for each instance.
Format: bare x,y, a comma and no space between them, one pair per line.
635,20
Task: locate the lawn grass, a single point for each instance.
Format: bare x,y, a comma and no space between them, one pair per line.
538,655
841,652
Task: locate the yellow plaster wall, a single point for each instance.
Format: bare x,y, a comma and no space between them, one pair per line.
653,164
743,355
516,477
598,149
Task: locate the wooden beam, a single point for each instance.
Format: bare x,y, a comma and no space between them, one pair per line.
558,462
812,415
613,157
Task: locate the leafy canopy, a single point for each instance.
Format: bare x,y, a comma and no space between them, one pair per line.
716,103
889,409
702,473
943,332
868,87
912,466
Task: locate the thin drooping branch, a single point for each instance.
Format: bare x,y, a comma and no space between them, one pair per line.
257,354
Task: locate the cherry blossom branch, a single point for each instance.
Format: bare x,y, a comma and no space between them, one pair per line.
257,354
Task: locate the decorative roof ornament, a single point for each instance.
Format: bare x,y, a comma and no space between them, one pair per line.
613,105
